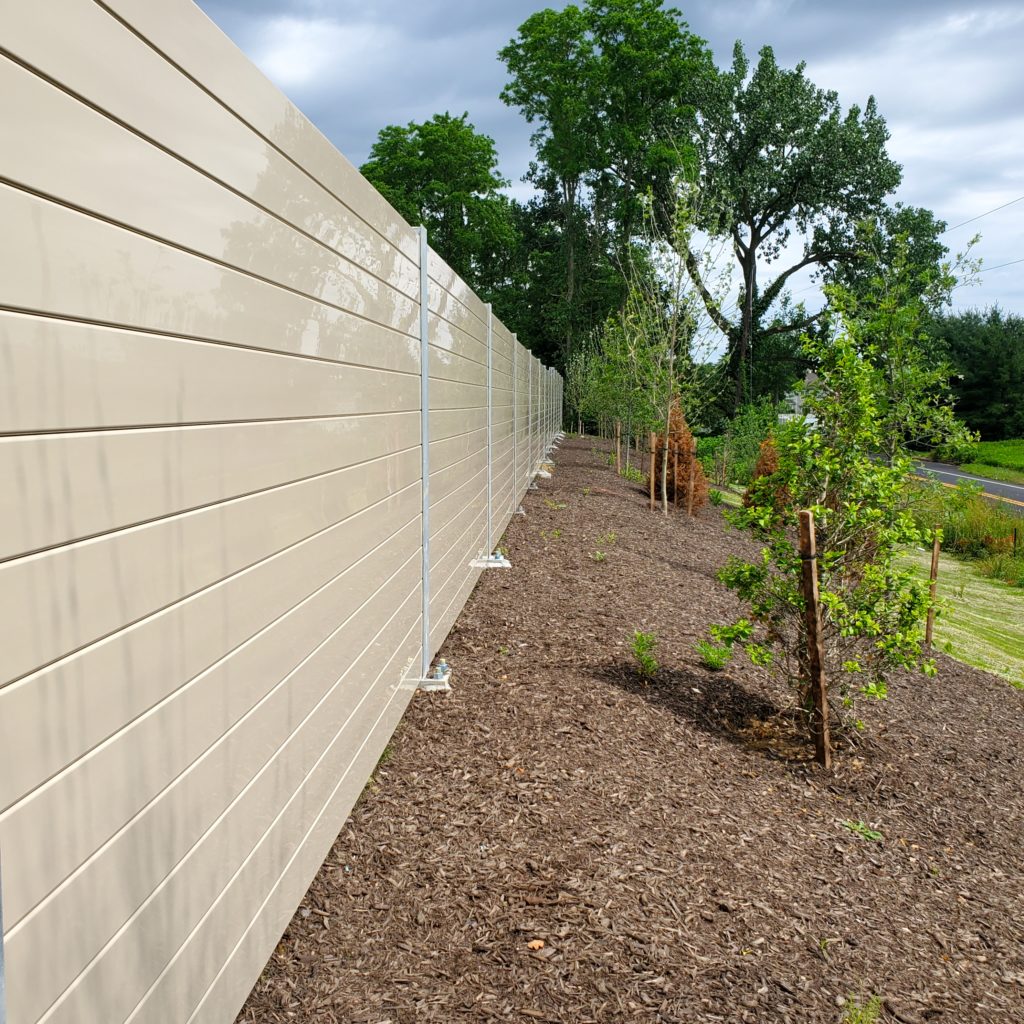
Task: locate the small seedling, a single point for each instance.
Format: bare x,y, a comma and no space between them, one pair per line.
555,534
555,504
858,828
862,1013
643,648
608,539
715,497
712,656
503,650
634,474
586,492
598,556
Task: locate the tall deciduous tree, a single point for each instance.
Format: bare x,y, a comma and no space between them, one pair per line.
444,174
779,157
610,87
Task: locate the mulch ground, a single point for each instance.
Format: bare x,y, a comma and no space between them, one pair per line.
675,852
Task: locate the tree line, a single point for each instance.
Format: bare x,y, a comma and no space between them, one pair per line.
631,119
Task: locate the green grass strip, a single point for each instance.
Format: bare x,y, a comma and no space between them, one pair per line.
980,621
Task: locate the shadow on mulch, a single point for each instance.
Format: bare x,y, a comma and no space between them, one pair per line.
720,707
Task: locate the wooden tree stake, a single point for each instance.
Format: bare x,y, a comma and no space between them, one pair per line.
654,441
933,581
675,476
689,481
815,650
618,447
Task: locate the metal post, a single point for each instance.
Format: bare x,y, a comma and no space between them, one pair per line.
515,421
425,450
490,427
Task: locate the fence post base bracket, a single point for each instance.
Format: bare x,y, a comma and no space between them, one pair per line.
495,561
439,683
520,511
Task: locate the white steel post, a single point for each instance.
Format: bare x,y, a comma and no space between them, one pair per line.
490,427
425,447
515,422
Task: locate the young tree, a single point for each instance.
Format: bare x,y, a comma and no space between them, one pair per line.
886,319
778,156
444,174
872,608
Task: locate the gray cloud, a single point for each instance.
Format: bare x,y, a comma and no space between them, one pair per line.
946,74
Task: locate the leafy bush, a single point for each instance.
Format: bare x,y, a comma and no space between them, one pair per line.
643,651
957,450
715,497
712,656
749,427
1004,567
972,526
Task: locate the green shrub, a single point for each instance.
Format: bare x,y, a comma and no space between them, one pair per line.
862,1013
749,427
1004,567
643,647
712,656
715,497
972,526
957,450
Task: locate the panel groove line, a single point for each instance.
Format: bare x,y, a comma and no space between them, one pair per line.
233,268
258,431
191,165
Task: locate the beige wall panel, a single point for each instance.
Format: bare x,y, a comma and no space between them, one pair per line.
444,335
61,375
456,551
268,919
446,306
66,263
168,199
293,848
171,736
164,105
88,483
440,272
501,364
59,600
87,697
443,482
196,45
466,499
448,423
454,449
448,394
446,365
447,542
458,591
113,982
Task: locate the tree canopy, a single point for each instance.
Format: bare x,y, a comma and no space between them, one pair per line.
444,174
778,157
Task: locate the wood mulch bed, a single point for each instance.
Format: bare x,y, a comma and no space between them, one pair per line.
670,845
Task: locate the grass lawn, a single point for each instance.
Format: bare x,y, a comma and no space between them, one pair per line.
982,623
1008,476
1001,454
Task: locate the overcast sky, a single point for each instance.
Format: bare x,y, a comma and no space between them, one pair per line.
948,77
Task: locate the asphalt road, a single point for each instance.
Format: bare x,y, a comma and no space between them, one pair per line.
1013,493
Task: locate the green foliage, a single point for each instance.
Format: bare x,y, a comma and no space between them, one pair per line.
1008,454
607,539
856,1012
971,525
634,474
750,426
712,656
777,156
872,608
858,828
986,352
886,321
444,174
643,652
1005,567
598,556
715,497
